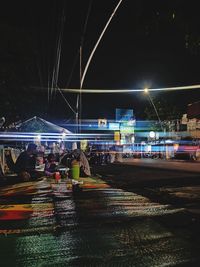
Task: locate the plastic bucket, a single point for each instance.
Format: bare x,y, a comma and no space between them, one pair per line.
75,171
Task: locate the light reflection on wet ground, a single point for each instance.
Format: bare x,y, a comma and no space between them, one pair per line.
104,227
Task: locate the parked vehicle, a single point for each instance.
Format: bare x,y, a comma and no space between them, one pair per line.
186,152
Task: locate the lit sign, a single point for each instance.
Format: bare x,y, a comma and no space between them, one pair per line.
126,129
124,115
102,123
113,126
117,136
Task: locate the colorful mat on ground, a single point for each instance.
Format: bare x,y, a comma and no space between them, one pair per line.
13,201
92,183
21,211
25,188
25,211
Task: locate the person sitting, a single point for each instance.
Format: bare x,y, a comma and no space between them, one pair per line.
66,159
83,162
25,163
50,165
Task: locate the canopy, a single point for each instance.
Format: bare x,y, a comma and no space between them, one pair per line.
40,125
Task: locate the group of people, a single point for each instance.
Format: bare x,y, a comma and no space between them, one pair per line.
25,165
99,158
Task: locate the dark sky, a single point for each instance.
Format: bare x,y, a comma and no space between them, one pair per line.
148,42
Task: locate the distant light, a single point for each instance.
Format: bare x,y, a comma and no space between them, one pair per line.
133,139
168,141
152,134
149,148
176,146
113,126
131,122
63,135
38,137
59,140
146,90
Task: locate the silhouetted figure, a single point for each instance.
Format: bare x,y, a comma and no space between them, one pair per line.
50,165
25,164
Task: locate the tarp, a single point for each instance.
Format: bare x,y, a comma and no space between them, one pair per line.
40,125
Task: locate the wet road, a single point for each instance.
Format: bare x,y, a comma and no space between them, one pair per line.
112,224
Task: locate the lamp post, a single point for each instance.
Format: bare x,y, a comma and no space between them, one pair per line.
146,91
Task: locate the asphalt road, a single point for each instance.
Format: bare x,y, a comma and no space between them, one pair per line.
176,182
172,183
140,216
182,165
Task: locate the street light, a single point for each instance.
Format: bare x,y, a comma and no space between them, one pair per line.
146,91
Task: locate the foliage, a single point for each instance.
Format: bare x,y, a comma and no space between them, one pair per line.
166,109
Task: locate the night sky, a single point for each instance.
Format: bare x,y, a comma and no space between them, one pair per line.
154,43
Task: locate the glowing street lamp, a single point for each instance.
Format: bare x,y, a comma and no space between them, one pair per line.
146,91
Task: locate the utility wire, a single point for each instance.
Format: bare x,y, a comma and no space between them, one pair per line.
66,100
79,97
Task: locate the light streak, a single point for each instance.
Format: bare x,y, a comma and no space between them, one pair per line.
46,134
97,43
51,137
119,91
